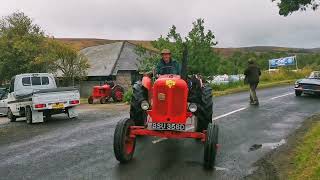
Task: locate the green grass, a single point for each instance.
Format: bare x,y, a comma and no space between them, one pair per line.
240,87
267,80
307,156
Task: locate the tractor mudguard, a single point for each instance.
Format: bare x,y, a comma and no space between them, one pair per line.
147,82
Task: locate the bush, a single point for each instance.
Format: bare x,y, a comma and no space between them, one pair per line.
128,95
222,87
285,74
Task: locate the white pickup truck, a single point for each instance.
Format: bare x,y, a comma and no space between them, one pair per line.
36,96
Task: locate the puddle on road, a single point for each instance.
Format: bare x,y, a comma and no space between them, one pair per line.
267,145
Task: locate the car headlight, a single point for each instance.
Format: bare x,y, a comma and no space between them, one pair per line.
296,85
193,107
145,105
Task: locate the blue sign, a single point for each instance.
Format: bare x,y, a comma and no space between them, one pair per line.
287,61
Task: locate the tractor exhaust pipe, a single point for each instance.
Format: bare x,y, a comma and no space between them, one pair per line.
184,62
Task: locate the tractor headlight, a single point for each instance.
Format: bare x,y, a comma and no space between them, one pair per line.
193,107
145,105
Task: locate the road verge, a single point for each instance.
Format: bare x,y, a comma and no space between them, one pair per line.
262,85
298,159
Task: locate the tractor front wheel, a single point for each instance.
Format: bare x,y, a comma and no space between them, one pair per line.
211,145
123,144
104,100
117,93
90,100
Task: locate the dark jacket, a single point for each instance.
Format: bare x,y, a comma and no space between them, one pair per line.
173,67
252,74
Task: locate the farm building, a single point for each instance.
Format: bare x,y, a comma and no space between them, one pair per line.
110,62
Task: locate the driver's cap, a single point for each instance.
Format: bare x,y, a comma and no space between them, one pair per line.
165,51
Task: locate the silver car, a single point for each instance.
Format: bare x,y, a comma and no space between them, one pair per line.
310,85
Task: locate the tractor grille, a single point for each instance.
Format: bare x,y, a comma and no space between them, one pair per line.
177,108
172,105
162,105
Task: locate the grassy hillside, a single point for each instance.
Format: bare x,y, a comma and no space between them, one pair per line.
81,43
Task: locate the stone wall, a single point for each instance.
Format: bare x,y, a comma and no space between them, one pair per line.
123,78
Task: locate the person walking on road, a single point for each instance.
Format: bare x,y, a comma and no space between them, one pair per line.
252,77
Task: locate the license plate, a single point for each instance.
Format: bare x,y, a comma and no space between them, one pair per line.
58,106
168,126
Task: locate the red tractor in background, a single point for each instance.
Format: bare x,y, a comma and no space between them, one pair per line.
171,107
105,92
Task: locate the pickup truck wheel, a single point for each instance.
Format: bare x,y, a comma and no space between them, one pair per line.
298,93
29,115
12,117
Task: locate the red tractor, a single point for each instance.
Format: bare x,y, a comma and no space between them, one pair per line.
171,107
104,93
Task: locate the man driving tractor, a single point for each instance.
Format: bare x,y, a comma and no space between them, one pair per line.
167,65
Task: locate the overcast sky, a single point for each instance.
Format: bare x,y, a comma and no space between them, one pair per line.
235,22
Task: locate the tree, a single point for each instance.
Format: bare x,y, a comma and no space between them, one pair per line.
66,61
286,7
202,59
21,43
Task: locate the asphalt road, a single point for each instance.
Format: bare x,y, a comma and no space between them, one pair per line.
82,149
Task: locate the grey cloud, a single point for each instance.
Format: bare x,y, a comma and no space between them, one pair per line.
235,23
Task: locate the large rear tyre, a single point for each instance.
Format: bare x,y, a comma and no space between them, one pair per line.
29,115
90,100
10,115
123,144
117,93
205,108
298,93
140,94
210,146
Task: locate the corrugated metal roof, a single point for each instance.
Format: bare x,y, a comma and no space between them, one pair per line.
103,58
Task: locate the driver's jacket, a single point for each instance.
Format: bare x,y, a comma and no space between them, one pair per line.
173,67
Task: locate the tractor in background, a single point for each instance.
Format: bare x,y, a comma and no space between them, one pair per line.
172,106
104,93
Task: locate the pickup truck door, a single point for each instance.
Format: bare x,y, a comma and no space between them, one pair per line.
3,105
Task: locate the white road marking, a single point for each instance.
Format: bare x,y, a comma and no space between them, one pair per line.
159,140
281,96
221,168
229,113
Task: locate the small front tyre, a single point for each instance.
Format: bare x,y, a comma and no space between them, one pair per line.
211,145
90,100
123,144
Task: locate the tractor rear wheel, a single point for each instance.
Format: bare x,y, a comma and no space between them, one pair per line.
117,93
137,114
90,100
123,144
211,145
205,111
